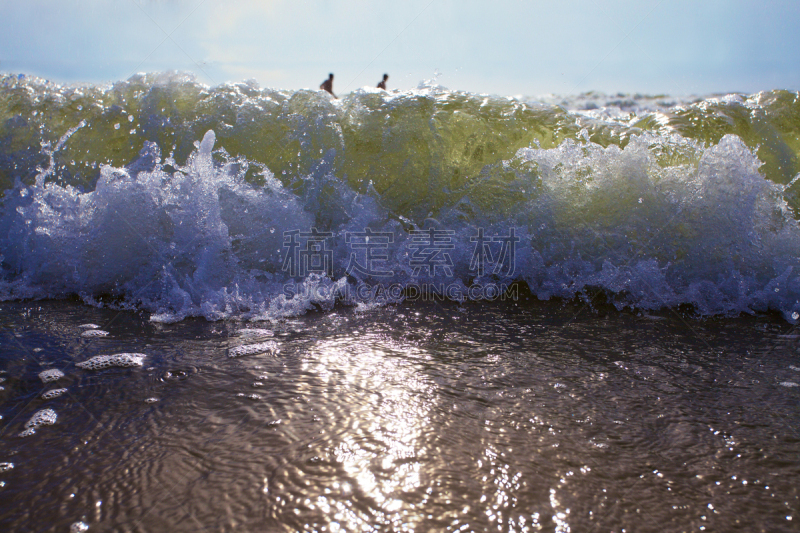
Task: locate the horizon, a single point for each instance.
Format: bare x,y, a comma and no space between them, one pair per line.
514,49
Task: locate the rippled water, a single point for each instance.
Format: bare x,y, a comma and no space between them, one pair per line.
533,417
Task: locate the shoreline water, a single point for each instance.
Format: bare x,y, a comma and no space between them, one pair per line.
543,416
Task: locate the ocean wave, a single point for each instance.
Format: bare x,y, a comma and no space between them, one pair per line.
237,201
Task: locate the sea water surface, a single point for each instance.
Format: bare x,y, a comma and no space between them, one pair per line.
424,417
247,309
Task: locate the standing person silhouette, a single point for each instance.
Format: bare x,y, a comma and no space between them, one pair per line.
327,85
382,84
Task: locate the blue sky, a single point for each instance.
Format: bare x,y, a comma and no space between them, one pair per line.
504,47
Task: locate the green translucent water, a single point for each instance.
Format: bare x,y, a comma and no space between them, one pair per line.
416,149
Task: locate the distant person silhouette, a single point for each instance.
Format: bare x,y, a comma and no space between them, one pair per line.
382,84
327,85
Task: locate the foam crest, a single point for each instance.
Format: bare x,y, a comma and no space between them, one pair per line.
709,231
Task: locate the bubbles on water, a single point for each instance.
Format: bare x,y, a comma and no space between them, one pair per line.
78,527
255,332
53,393
53,374
270,347
116,126
250,396
790,384
5,467
92,333
123,360
45,417
89,326
151,400
795,315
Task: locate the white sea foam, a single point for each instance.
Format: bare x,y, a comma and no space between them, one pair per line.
250,396
45,417
50,375
270,347
78,527
94,333
123,360
255,332
52,393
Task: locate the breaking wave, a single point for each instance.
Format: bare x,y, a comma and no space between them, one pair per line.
161,194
